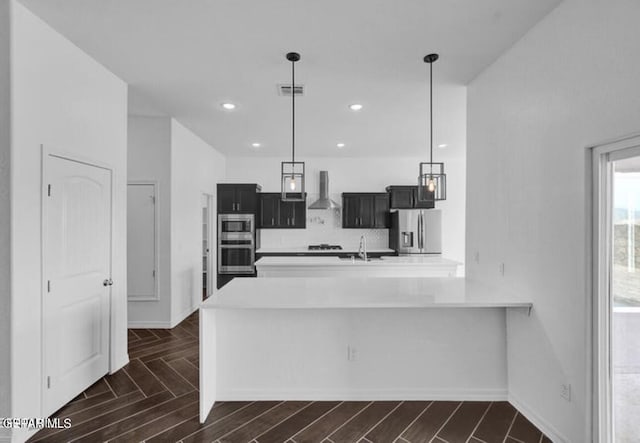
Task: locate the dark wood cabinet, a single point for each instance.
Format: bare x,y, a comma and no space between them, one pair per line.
238,198
278,214
269,211
293,214
350,210
365,210
406,197
381,218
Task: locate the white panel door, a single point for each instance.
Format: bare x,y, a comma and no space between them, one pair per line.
77,264
141,242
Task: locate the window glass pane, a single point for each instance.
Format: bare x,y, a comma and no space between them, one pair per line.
625,322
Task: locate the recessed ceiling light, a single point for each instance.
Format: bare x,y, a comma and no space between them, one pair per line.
256,145
228,106
355,107
340,145
443,145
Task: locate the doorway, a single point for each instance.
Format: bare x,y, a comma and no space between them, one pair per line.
617,290
207,233
77,278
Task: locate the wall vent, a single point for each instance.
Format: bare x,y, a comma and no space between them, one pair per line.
285,90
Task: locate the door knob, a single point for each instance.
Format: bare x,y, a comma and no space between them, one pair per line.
107,282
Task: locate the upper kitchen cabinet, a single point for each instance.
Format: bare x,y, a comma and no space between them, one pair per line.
365,210
406,197
293,214
238,198
278,214
269,210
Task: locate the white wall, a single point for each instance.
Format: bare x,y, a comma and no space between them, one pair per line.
5,216
196,168
571,82
149,156
302,353
65,100
350,174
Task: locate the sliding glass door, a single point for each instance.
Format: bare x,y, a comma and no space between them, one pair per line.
616,290
624,250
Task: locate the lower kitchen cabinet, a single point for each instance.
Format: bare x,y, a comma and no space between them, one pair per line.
278,214
365,210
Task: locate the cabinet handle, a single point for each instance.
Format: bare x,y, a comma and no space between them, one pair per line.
272,221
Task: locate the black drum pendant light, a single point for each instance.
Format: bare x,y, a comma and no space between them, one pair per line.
432,181
292,173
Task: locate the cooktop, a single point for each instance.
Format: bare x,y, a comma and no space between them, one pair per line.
324,247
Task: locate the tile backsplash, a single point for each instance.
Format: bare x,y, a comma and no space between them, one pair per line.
323,226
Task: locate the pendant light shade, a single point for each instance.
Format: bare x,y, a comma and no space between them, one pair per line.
292,173
432,181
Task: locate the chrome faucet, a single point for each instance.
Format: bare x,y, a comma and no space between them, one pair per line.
362,249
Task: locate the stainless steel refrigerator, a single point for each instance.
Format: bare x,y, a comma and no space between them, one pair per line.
416,231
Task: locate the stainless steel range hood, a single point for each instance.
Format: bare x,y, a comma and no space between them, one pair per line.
324,202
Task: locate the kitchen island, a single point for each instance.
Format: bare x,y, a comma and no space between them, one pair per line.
388,266
354,339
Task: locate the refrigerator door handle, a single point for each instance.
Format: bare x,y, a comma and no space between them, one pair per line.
420,231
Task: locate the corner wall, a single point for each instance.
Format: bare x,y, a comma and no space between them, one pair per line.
570,83
5,214
149,157
66,101
196,167
184,167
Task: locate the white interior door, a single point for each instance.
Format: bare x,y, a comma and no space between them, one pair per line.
77,265
141,242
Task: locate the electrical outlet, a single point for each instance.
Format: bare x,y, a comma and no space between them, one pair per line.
351,353
476,257
502,269
565,391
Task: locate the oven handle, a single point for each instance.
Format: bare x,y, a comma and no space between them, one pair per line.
237,246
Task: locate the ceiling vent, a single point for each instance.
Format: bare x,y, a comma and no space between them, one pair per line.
285,90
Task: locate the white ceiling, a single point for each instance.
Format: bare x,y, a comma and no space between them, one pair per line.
185,58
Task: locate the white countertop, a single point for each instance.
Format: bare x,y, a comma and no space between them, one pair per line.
356,293
404,261
304,249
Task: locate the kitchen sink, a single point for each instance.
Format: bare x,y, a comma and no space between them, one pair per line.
360,259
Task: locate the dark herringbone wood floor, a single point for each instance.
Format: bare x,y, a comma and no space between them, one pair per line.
155,399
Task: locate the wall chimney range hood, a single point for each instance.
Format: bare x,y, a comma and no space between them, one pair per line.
324,202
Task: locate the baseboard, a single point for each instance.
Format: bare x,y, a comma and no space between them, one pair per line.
542,424
184,314
149,325
361,395
161,324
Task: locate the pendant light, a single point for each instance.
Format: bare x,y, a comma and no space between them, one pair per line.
292,173
432,181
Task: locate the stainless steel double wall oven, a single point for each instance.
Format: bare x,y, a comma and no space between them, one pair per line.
236,243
